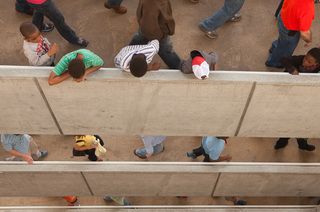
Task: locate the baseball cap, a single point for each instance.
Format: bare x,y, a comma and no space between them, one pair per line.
200,67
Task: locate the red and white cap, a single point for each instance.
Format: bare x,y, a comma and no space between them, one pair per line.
200,67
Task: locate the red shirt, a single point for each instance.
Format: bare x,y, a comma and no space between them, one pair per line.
298,14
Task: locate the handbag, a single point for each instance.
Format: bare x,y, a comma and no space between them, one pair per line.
77,152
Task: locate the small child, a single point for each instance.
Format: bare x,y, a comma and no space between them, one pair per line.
85,146
37,48
79,63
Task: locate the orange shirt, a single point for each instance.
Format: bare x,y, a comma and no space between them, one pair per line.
298,14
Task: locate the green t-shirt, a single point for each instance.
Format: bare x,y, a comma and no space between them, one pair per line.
89,59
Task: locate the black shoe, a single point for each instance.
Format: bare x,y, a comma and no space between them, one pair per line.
83,43
308,148
280,145
273,66
47,27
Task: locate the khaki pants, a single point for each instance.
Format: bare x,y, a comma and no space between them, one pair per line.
32,151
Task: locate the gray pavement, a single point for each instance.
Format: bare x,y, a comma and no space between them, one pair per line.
241,46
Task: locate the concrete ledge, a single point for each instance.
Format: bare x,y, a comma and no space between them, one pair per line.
129,179
161,208
165,102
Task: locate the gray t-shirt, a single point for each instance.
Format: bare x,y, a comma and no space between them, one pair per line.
20,142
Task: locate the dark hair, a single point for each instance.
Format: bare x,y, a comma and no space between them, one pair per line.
138,66
315,53
27,29
76,68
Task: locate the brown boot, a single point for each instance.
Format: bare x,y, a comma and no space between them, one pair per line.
120,9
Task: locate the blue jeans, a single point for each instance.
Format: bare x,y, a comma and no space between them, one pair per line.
284,46
22,6
156,149
114,3
230,8
49,9
166,52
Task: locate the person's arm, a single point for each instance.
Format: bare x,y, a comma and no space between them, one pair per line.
88,71
306,36
186,66
55,79
290,63
26,157
212,60
222,158
82,148
155,66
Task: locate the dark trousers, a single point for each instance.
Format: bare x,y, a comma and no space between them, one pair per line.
200,151
49,9
91,152
22,6
302,142
166,52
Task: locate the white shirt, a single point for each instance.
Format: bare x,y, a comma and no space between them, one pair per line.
124,57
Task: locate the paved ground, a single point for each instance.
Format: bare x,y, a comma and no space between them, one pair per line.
241,46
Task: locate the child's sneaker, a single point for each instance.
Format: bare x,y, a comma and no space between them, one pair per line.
43,153
191,155
240,202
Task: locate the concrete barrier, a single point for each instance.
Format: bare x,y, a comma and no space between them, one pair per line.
109,101
161,208
159,179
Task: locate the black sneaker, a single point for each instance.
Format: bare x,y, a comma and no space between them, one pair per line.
83,43
308,148
47,27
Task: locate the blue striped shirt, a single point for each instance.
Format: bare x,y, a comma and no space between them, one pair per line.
20,142
124,57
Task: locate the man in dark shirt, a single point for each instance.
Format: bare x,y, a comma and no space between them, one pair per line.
156,22
308,63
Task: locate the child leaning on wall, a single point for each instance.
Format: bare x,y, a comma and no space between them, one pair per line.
36,48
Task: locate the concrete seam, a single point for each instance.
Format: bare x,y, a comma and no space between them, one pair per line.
246,108
215,186
85,180
48,105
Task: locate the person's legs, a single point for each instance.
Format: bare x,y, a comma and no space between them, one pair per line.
138,39
37,19
114,3
141,152
35,153
282,142
284,46
230,8
168,55
22,6
195,153
303,144
50,10
91,153
157,148
118,199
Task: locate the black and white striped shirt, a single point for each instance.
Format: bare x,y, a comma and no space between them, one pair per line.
124,57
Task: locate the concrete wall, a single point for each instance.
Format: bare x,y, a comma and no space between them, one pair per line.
159,179
109,101
160,209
